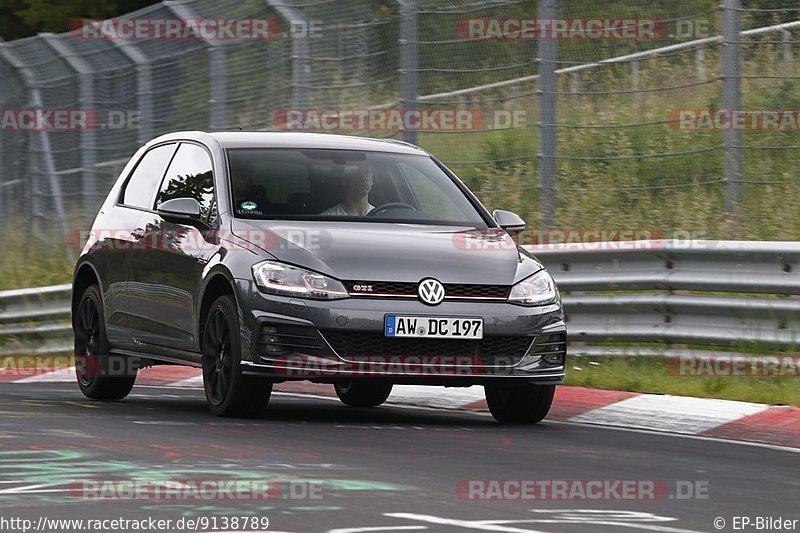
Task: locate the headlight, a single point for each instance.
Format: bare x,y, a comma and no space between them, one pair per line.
285,280
534,290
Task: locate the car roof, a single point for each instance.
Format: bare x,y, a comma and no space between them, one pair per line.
302,140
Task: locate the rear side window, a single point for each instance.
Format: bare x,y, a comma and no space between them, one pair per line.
142,185
190,176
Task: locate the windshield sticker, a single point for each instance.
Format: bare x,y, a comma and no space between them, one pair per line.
248,206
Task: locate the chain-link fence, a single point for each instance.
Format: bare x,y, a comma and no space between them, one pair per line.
576,114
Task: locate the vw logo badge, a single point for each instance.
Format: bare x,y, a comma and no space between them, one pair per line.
431,291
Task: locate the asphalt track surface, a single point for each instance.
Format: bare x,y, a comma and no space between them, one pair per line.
335,468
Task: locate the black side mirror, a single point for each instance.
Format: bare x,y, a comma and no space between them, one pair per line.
180,209
511,222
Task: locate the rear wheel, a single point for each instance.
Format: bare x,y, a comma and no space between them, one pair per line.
519,404
98,377
363,393
228,391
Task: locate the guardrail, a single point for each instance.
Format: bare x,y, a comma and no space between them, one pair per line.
35,320
728,294
731,294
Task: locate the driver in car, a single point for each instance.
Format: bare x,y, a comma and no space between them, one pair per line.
357,183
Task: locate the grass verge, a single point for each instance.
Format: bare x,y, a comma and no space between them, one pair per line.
651,375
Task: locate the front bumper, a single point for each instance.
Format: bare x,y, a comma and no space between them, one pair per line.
291,339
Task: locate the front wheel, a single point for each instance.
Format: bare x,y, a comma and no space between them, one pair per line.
363,393
519,404
229,392
98,377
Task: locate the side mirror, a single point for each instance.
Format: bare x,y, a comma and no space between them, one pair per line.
180,209
511,222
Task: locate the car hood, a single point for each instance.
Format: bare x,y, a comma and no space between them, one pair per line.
392,252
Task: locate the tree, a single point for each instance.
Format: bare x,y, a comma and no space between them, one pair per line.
23,18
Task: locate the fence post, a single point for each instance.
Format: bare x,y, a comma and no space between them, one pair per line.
409,62
4,211
88,136
217,99
700,62
787,46
301,69
546,62
216,68
144,88
731,101
44,149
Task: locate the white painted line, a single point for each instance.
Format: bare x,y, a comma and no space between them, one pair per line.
480,525
440,397
63,375
676,414
377,528
636,525
195,382
640,523
656,432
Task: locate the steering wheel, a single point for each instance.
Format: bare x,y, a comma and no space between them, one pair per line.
390,205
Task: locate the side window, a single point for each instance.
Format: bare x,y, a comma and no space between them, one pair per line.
190,176
142,184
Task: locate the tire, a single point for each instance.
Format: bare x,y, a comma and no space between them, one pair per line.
229,393
520,404
363,393
98,378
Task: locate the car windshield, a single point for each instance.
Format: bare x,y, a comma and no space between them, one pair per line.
348,185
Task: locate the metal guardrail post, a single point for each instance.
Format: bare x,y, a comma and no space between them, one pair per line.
301,68
548,166
409,62
732,101
216,69
88,136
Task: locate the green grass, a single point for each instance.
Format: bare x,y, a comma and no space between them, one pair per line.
27,263
622,167
651,375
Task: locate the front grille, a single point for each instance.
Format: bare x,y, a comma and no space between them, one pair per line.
383,287
280,339
355,344
476,291
453,290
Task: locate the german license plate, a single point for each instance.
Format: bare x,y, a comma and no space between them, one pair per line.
433,327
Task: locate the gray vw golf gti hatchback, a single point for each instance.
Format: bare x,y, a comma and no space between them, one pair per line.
270,257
